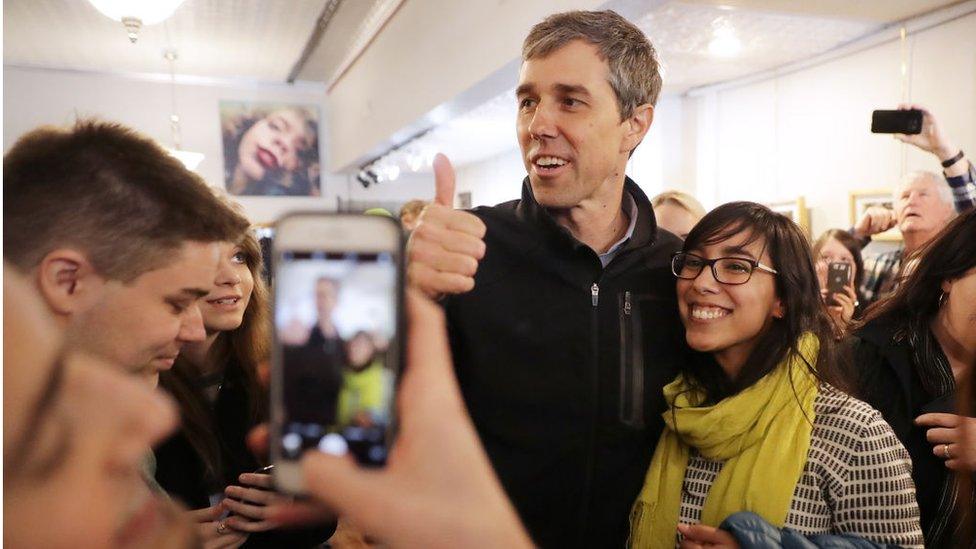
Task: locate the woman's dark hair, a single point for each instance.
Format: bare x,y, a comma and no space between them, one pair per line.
851,244
946,257
249,346
796,286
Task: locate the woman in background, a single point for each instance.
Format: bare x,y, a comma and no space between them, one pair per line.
272,153
215,382
366,384
916,354
765,394
677,212
837,246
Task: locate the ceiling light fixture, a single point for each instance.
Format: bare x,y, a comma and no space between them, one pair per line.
724,42
133,14
189,159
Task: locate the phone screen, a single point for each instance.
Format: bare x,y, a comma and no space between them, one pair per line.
335,324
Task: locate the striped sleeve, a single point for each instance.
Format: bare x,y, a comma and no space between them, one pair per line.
877,500
964,190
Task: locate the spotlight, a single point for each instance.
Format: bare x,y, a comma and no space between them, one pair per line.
366,177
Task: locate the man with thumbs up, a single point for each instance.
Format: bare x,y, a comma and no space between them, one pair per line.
560,305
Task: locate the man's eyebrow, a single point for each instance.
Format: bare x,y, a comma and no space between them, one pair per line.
193,293
40,410
524,89
283,121
567,89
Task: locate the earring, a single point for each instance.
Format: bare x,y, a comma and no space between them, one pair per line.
942,299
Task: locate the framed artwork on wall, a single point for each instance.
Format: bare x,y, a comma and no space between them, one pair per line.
270,149
796,210
861,200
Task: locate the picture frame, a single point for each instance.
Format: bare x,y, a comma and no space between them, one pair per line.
270,149
796,210
861,200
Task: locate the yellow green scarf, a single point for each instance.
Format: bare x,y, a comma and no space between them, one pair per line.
761,434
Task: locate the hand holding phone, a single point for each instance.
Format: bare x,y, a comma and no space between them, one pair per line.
249,502
908,122
838,278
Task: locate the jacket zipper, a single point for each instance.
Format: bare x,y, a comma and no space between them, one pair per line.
595,412
631,369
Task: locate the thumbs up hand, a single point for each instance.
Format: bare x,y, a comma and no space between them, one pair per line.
447,244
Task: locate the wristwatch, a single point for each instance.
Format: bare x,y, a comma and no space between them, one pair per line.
953,160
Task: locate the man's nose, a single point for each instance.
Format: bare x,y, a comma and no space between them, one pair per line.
543,123
192,328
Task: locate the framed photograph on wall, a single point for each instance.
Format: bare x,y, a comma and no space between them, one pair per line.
861,200
795,210
270,149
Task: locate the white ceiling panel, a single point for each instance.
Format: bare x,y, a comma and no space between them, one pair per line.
681,32
248,39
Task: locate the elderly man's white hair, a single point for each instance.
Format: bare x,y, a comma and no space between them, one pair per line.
945,192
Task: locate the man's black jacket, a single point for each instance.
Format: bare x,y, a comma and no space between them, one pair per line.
561,363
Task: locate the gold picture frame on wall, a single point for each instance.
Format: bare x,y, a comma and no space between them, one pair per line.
861,200
796,210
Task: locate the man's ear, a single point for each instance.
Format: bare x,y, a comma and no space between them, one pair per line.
67,281
637,125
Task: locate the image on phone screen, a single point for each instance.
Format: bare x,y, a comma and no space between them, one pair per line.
335,320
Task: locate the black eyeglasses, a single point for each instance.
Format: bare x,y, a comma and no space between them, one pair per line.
726,270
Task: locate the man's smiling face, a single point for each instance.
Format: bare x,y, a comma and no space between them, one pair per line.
569,128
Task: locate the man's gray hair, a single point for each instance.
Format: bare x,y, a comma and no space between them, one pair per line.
945,192
634,72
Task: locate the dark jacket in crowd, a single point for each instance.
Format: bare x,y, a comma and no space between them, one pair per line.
890,382
181,471
562,362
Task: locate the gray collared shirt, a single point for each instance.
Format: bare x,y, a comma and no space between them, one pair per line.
607,257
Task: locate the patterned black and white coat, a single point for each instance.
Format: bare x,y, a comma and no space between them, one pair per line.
857,480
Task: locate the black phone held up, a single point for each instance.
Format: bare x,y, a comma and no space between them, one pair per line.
906,122
838,278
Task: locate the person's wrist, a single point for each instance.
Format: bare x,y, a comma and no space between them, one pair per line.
946,152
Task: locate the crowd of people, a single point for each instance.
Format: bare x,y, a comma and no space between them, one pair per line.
585,366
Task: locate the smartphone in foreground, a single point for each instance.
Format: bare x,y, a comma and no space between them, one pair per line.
838,278
338,301
906,122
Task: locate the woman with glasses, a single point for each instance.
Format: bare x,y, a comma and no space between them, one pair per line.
758,421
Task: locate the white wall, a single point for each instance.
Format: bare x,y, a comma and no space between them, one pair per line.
36,97
407,72
807,133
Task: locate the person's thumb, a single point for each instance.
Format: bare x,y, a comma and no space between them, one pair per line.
208,514
345,487
443,181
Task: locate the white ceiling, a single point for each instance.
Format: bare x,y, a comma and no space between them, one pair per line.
681,33
247,39
262,40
